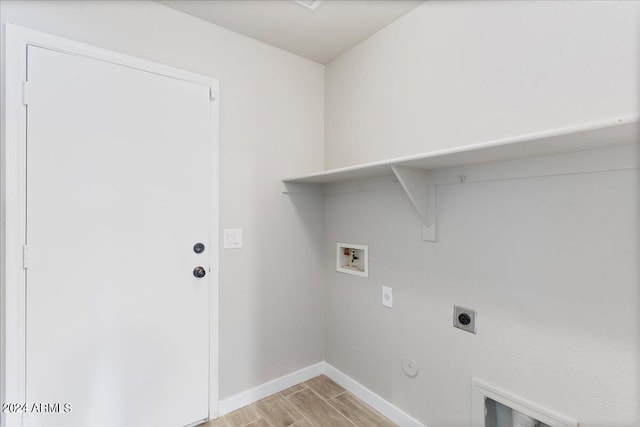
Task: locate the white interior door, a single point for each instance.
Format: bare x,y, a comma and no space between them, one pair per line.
118,192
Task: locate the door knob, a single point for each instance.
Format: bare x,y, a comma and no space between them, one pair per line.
199,272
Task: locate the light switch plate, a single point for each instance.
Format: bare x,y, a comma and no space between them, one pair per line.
232,238
387,297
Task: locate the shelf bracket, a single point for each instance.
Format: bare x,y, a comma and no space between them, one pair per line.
419,187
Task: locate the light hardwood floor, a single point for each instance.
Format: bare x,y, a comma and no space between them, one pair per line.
318,402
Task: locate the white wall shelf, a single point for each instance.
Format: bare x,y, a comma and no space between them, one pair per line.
620,131
413,172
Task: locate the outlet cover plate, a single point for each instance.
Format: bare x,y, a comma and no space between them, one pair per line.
459,316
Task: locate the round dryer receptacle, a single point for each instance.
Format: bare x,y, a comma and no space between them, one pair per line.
409,366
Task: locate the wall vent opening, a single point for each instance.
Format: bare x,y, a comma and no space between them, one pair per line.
494,407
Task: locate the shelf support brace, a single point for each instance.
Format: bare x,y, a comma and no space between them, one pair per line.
419,187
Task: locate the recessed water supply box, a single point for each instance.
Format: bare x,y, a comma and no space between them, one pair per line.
352,259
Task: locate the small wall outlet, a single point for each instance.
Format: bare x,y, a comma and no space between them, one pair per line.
387,297
352,259
464,318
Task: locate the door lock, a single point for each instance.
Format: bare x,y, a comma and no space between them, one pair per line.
199,272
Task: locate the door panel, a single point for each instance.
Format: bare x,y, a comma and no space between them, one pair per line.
118,192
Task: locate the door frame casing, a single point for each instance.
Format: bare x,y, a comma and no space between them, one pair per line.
13,204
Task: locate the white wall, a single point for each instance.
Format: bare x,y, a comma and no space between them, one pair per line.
550,263
452,73
271,125
531,255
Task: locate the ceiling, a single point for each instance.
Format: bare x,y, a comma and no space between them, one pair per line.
321,35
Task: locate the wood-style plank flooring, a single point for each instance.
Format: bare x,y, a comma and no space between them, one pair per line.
318,402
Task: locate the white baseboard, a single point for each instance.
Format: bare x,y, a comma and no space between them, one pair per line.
387,409
250,396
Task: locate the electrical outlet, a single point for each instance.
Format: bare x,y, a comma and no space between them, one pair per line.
387,297
464,318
